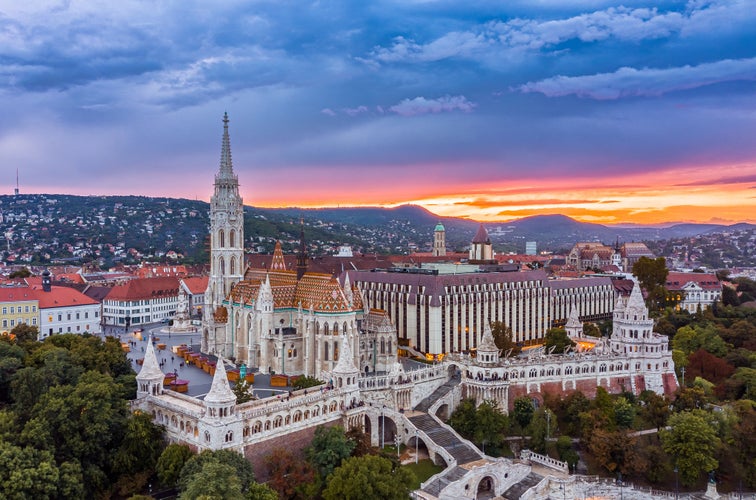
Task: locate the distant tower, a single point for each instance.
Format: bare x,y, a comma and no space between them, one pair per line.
302,258
617,255
226,246
530,248
439,240
46,282
481,250
16,190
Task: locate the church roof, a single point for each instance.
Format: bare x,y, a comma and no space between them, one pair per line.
321,292
439,227
150,368
635,304
220,391
481,236
573,321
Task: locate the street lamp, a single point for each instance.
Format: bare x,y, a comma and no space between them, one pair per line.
398,445
417,446
383,427
676,485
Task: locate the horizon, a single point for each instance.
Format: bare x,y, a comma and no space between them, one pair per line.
607,112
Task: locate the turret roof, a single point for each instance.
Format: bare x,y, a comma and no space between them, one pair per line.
481,236
150,368
346,361
487,343
220,391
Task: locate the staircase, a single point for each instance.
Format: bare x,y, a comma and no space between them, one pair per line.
517,490
443,437
442,391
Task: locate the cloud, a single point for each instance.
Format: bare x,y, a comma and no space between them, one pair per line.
743,179
631,82
531,202
355,111
423,106
328,112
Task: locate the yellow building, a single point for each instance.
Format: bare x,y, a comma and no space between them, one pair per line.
17,305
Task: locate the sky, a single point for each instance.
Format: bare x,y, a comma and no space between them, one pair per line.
611,112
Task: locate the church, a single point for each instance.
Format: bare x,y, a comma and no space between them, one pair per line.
280,320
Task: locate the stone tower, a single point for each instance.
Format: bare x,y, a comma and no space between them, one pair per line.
481,250
439,240
226,246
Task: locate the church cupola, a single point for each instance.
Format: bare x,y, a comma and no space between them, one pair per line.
150,377
439,240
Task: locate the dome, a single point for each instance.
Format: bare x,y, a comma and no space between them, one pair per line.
439,227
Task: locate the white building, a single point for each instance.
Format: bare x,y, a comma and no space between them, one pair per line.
141,301
695,290
65,310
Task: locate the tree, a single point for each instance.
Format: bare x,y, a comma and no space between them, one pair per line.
288,473
730,296
27,473
242,468
259,491
566,452
591,330
141,446
369,478
463,418
490,424
542,425
503,338
24,333
11,360
624,412
328,448
361,442
242,392
304,382
214,481
523,411
171,461
652,275
655,409
708,366
693,442
614,450
557,339
20,273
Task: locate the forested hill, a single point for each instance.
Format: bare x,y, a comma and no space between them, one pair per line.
42,228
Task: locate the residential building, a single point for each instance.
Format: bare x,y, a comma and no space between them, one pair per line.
140,301
64,309
696,291
18,305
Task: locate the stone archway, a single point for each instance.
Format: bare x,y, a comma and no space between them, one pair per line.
443,412
387,430
486,488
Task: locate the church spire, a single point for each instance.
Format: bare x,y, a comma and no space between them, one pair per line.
226,165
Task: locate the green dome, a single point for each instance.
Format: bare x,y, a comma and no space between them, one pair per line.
439,227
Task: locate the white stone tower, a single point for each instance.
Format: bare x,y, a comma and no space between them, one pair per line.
220,426
226,246
150,377
439,240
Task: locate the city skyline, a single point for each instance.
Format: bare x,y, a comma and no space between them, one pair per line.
640,112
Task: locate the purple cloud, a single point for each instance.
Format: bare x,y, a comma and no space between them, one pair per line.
423,106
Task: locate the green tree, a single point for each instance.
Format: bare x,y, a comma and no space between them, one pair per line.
20,273
329,447
504,339
242,391
614,450
171,461
523,411
652,275
305,382
730,296
655,409
566,452
624,412
11,360
25,333
242,468
369,478
463,418
542,426
27,473
490,424
693,442
591,330
214,481
557,339
259,491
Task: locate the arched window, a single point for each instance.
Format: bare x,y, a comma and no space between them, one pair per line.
325,350
222,265
232,238
221,238
233,265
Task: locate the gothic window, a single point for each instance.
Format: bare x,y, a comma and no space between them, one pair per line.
233,265
232,238
221,238
325,350
222,266
207,437
533,372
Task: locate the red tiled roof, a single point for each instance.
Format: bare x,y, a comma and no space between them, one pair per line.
16,294
60,296
145,288
196,284
481,236
676,281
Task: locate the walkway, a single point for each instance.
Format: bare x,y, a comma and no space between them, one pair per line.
442,391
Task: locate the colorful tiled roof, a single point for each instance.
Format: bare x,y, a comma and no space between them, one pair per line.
60,296
196,284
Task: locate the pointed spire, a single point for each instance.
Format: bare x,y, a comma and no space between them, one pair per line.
278,263
487,343
265,294
220,391
226,165
348,290
635,304
482,235
346,361
573,327
150,367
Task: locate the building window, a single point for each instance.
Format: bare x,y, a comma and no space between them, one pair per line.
26,308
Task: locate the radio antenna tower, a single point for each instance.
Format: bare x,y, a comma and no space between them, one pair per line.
16,190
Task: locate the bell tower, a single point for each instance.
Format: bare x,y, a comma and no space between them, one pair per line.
226,245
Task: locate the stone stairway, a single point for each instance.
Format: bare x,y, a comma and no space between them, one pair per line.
462,452
516,491
442,391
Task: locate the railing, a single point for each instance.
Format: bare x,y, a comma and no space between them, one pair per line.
545,460
376,382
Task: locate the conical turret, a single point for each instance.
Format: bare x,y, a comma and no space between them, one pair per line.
574,327
487,351
220,395
150,377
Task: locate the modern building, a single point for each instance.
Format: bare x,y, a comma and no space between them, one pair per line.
530,248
